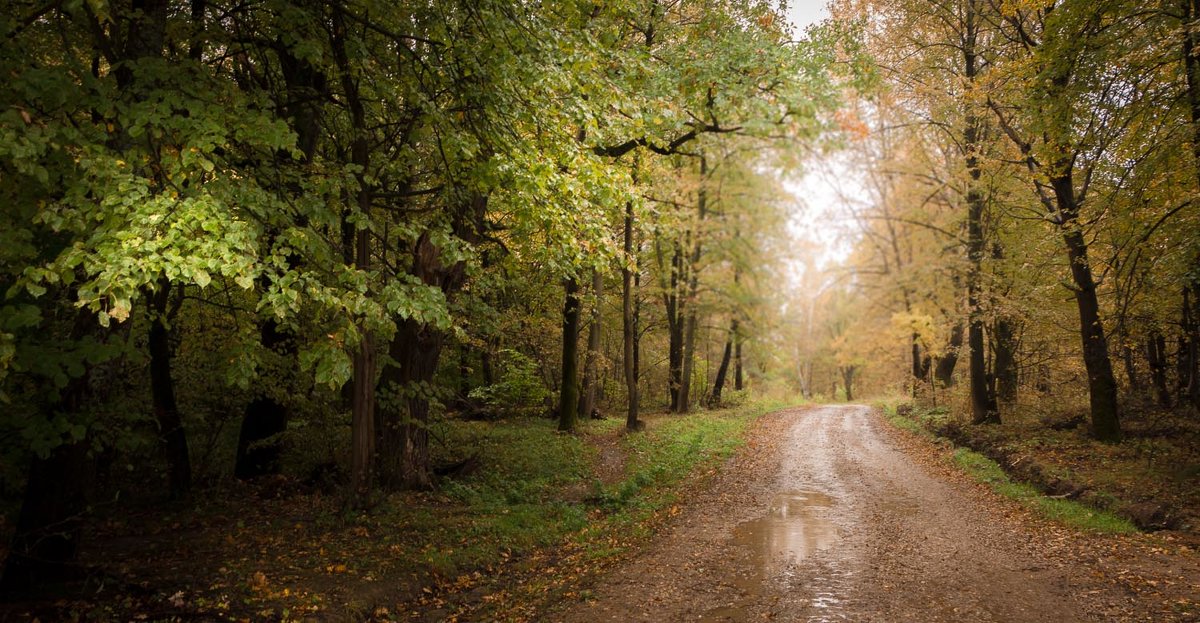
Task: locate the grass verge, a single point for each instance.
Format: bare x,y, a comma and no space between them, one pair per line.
1068,512
661,462
986,471
671,449
537,487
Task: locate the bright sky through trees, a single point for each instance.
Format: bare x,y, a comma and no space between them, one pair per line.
819,190
803,13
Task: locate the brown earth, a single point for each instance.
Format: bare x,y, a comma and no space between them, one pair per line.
829,514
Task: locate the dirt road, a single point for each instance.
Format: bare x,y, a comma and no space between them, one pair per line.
829,515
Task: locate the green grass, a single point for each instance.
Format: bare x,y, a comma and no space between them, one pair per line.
908,423
904,423
510,505
665,453
661,460
536,487
1068,512
532,470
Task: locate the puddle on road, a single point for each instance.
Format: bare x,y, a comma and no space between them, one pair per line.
796,526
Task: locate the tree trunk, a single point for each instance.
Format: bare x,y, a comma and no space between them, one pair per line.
1156,357
591,364
362,407
1191,41
1004,351
737,362
146,39
402,412
943,372
44,547
1122,320
1183,366
848,381
1190,344
1041,382
485,363
464,376
172,437
723,369
45,544
264,418
806,371
693,288
983,400
569,395
1004,362
675,330
1063,209
1102,385
629,323
637,327
362,420
403,436
689,358
1131,373
920,362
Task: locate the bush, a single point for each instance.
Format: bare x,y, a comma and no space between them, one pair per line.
735,398
519,388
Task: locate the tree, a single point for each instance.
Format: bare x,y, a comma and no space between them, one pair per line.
1070,68
111,185
1011,122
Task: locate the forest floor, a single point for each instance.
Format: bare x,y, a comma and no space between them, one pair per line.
530,513
832,514
1151,478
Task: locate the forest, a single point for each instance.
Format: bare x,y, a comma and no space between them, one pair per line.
1026,201
362,310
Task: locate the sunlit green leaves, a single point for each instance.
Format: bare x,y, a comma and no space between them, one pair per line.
186,171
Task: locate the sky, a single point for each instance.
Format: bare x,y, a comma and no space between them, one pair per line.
818,210
801,13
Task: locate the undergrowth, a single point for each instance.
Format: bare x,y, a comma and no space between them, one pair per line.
669,450
525,498
521,497
923,422
1068,512
661,461
515,501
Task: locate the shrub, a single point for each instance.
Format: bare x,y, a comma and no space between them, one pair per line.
519,388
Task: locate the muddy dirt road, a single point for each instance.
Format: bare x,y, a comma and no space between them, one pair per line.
829,515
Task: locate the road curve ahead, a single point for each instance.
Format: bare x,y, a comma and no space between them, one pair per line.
824,517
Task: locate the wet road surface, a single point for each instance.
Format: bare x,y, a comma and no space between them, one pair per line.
825,518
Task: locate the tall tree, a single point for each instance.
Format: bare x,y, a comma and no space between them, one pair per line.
1067,46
